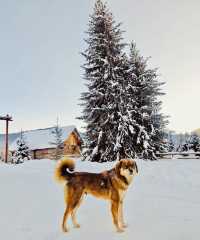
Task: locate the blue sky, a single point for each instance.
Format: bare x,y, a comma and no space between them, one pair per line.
40,45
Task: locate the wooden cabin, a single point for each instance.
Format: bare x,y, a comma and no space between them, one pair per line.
40,141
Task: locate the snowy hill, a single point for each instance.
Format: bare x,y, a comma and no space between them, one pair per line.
163,203
42,138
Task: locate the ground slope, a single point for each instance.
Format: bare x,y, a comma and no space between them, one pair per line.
162,203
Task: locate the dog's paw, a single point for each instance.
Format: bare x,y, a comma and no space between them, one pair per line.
124,225
65,230
77,225
120,230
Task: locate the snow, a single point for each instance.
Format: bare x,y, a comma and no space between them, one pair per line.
42,138
162,203
95,150
131,129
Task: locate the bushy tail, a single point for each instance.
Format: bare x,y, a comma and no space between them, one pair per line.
63,170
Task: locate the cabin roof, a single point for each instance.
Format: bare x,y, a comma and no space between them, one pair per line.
42,138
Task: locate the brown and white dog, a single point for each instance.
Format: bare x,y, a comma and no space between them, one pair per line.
110,185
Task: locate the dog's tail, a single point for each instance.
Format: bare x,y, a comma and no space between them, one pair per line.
64,169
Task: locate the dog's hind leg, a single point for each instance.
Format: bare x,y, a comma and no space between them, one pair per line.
65,217
73,213
71,202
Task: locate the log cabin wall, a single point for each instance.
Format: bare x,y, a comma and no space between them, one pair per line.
42,153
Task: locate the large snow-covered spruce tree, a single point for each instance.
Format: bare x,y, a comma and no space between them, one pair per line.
120,107
144,89
103,102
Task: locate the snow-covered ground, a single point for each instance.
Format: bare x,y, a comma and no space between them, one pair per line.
162,203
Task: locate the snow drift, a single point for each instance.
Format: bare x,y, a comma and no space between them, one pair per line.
162,203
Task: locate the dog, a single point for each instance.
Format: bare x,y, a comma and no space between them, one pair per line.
110,185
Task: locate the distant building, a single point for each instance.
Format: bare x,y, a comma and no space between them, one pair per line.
39,142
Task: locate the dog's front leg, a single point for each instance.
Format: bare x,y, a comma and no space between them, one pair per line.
121,215
115,214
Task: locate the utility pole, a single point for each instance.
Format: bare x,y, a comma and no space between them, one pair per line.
7,118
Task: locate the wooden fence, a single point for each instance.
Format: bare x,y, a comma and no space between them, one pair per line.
181,155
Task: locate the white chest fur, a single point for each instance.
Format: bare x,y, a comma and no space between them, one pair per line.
127,175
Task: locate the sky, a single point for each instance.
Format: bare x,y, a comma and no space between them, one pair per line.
40,44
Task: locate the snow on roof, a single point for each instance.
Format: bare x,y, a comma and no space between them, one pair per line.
41,138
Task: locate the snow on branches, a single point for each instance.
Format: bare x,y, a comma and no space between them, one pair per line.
120,106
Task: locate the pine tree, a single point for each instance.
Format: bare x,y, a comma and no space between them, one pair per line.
185,142
58,141
171,145
144,90
22,153
104,71
195,143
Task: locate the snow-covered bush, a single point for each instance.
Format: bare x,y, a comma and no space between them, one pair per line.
22,152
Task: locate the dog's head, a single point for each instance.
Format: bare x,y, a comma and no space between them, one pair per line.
127,168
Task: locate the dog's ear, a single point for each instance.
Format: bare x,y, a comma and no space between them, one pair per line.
118,166
136,167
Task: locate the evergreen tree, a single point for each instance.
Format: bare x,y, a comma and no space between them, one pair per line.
144,90
120,108
22,153
170,141
104,71
171,145
195,143
184,141
58,141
